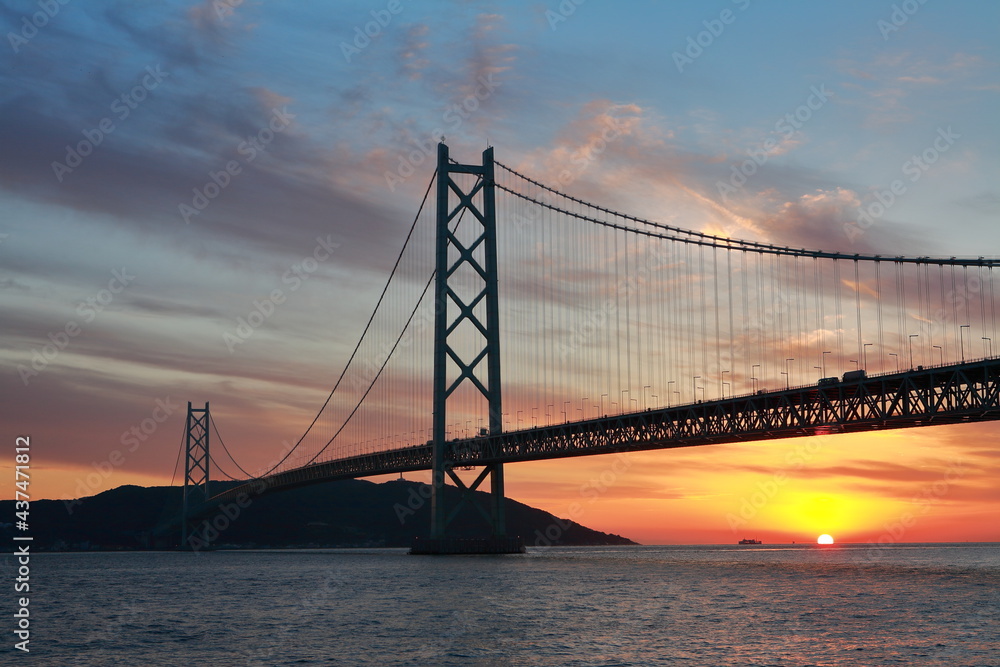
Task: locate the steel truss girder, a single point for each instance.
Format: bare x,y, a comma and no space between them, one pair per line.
946,395
955,394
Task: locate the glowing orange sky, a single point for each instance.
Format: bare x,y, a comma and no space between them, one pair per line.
933,484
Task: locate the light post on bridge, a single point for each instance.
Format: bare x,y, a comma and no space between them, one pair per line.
754,378
724,383
566,405
669,390
961,338
644,388
702,394
621,402
583,411
864,354
988,351
603,413
912,336
788,374
893,354
823,360
694,388
941,350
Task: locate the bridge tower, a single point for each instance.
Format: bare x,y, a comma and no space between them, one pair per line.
195,464
476,263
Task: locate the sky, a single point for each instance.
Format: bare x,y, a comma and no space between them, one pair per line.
165,166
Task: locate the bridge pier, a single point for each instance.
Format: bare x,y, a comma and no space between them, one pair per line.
469,258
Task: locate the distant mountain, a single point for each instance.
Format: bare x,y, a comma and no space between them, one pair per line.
347,513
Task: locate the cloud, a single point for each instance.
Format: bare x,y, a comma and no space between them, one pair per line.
12,284
817,220
212,19
411,52
478,70
919,79
140,180
881,471
646,162
889,87
591,147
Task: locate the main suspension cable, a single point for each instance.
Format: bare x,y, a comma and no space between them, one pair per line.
226,449
709,240
387,357
363,334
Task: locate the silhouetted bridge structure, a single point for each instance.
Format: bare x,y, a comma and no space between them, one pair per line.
618,314
956,394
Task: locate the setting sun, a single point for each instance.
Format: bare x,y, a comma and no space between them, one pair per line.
824,539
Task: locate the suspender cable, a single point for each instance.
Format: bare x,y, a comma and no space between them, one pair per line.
363,335
857,299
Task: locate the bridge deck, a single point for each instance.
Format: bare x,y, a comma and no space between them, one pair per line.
950,394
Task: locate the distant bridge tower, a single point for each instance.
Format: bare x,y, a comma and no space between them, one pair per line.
473,262
196,461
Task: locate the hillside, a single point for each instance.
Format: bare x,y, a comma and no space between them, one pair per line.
347,513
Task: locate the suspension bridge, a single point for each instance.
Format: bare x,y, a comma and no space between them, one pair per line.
617,334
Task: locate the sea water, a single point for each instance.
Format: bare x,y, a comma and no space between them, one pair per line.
673,605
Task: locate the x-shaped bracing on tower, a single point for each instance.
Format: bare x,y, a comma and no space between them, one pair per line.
482,272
